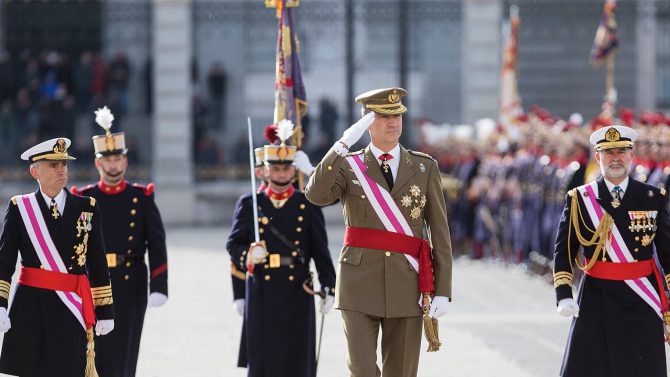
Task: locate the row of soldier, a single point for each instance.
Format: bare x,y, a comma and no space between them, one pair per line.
506,188
83,283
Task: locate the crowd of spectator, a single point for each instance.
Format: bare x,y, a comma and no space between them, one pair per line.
44,95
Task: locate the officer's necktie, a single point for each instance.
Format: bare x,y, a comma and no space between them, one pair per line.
386,169
617,192
54,209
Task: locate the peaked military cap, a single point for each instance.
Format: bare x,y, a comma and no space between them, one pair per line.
383,101
613,137
50,150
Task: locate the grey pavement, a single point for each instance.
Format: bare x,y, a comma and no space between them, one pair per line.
502,321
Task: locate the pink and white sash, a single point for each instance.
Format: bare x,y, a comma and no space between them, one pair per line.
385,207
617,249
46,249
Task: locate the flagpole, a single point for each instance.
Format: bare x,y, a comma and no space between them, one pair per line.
610,93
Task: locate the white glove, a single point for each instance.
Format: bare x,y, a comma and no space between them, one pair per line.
303,163
438,306
352,134
104,327
326,304
238,305
157,299
5,324
257,253
568,307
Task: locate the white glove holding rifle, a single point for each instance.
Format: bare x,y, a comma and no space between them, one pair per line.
354,133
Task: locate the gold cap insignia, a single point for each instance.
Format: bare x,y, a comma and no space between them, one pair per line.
612,135
60,147
394,97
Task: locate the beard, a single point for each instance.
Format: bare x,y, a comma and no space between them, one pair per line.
113,176
616,171
280,184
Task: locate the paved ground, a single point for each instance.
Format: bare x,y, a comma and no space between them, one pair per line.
502,321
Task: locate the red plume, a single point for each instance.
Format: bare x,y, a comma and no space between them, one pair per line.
271,133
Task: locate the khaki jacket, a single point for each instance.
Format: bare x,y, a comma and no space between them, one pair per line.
376,282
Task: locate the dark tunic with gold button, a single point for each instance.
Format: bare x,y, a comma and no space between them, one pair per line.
46,339
617,334
279,320
132,228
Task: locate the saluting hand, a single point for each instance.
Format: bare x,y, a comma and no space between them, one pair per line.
354,133
303,163
5,323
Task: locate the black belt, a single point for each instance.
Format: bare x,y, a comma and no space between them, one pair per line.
115,260
278,260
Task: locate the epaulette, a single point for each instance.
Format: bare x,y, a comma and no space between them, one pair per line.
79,192
148,189
14,200
663,191
92,201
571,193
420,154
355,153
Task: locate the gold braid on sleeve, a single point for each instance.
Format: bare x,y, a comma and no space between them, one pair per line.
600,237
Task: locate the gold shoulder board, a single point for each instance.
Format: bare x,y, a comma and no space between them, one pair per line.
92,201
663,191
421,154
14,200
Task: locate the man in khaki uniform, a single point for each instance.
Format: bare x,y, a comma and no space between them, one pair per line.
399,191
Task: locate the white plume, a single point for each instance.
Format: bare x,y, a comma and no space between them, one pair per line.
284,130
104,118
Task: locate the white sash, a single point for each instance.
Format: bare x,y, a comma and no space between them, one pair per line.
46,249
383,204
617,249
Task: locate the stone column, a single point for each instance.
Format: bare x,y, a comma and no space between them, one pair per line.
646,55
481,59
172,165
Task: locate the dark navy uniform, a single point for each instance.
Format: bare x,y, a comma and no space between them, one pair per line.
279,324
46,339
616,333
132,227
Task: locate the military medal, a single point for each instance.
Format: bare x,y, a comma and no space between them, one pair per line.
54,212
616,203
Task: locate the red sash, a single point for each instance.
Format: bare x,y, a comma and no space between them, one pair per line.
629,271
57,281
398,243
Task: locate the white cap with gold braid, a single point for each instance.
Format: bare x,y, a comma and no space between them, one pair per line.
613,137
50,150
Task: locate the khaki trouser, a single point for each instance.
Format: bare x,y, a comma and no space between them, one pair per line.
401,345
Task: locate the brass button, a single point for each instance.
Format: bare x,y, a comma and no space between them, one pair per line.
298,229
41,266
266,266
133,212
330,167
135,200
261,230
637,238
241,257
265,220
70,268
291,266
267,277
132,225
129,252
130,238
128,264
294,253
362,196
126,277
297,242
636,249
291,278
300,218
344,259
302,206
388,253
